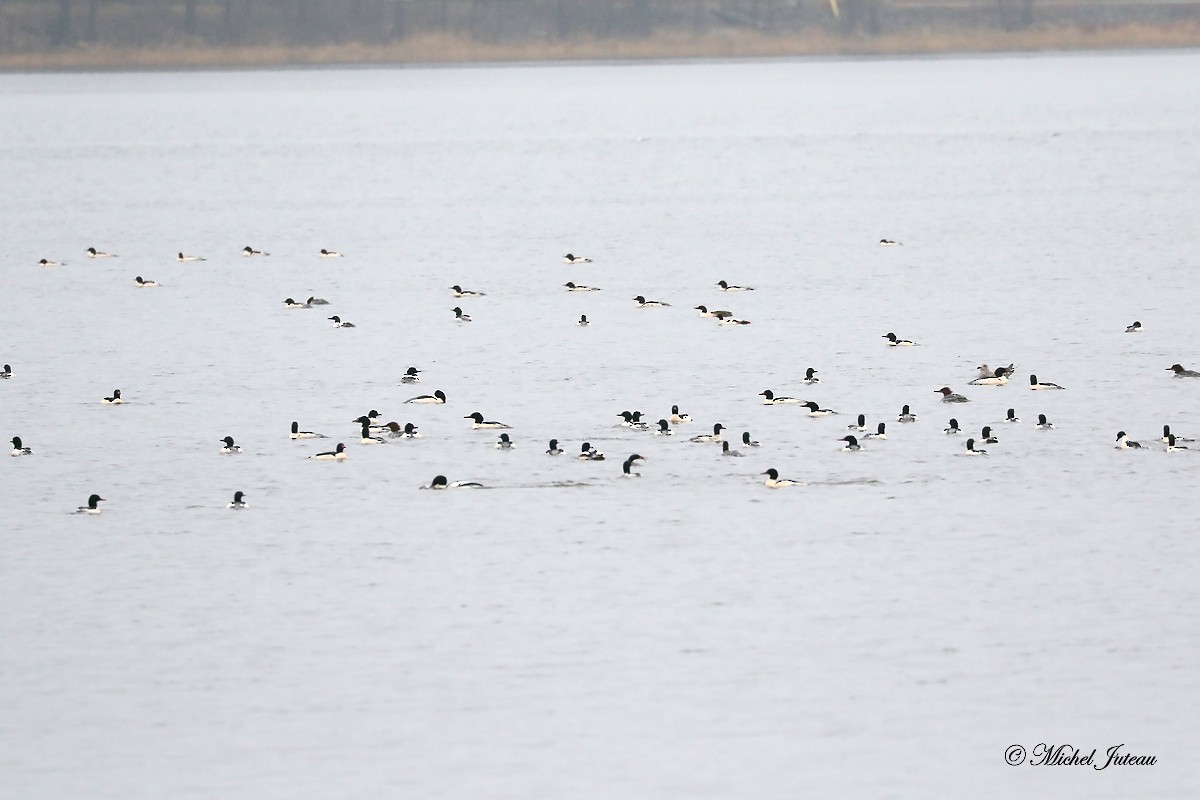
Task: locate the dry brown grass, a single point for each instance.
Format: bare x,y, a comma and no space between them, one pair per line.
733,44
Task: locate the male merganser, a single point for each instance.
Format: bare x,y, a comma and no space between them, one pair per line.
906,415
894,342
367,438
747,441
725,287
1136,327
94,253
953,428
1034,384
1167,433
46,262
238,502
860,425
461,292
411,375
317,301
438,397
971,451
505,443
880,432
1125,443
888,243
769,398
439,482
816,411
725,451
409,431
143,284
664,429
997,378
290,303
93,505
810,376
583,321
949,396
328,253
1012,416
986,436
704,312
459,315
773,480
115,400
705,438
230,448
337,322
644,303
627,467
633,420
589,453
732,321
554,450
852,444
480,422
182,257
250,251
337,454
574,287
371,418
1171,446
678,417
6,373
1044,423
19,449
571,258
1180,372
299,434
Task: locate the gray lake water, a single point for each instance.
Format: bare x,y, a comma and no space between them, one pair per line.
887,630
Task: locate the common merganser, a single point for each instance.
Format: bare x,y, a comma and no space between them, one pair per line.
93,505
459,315
1180,372
409,431
953,428
461,292
115,400
971,451
810,376
725,451
1167,433
1136,327
250,251
19,449
479,422
290,303
366,437
337,454
328,253
880,432
704,312
1035,384
773,480
997,378
554,450
371,418
986,436
1044,423
633,420
949,396
1171,446
816,411
747,441
888,243
705,438
571,258
94,253
583,321
299,434
46,262
317,301
230,448
678,417
411,375
627,467
574,287
238,502
504,443
852,444
1125,443
860,425
1012,416
732,321
769,398
987,372
337,322
440,482
6,373
589,453
664,429
144,284
906,415
894,342
644,303
438,397
726,287
182,257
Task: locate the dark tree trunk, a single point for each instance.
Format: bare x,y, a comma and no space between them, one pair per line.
399,23
227,20
189,16
89,30
60,34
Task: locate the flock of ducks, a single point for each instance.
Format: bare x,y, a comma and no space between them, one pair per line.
374,431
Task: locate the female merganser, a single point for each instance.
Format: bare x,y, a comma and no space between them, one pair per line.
664,429
1180,372
888,243
725,287
337,322
906,415
411,375
250,251
19,449
816,411
554,450
143,284
732,321
230,448
1034,384
747,441
317,301
182,257
769,398
461,292
238,502
773,480
1167,433
880,432
997,378
860,425
1171,446
409,431
953,429
437,397
505,443
705,438
678,417
971,451
290,303
367,438
479,422
810,376
459,316
725,451
337,454
328,253
1136,327
571,258
573,287
704,312
589,453
986,435
94,253
1012,416
299,434
948,396
6,373
644,303
439,482
852,444
93,505
583,321
1125,443
1044,423
115,400
627,467
894,342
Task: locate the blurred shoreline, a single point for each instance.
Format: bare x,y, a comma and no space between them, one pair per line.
456,49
